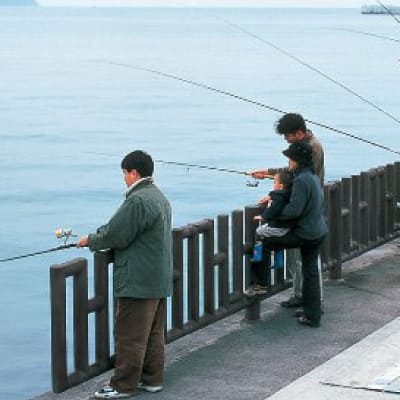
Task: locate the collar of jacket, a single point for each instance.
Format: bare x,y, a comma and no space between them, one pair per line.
139,183
298,171
280,192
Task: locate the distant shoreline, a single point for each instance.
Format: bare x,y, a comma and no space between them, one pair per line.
24,3
19,3
379,10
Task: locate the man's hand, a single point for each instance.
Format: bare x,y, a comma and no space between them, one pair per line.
83,242
259,174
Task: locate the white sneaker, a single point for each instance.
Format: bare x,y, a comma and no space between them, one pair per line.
255,290
107,392
148,388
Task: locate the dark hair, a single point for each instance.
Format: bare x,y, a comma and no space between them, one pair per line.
290,123
139,160
286,178
301,152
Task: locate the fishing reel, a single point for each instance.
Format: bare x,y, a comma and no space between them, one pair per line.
65,234
253,183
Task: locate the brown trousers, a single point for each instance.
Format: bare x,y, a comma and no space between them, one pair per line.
139,336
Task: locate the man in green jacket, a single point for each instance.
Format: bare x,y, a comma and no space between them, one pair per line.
139,233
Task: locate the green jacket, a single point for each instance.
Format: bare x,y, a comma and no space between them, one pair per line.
140,235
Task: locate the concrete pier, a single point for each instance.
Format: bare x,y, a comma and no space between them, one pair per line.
354,354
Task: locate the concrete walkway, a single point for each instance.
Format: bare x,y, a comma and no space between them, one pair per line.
356,349
368,370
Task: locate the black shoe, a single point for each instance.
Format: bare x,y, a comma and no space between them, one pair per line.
298,313
303,320
292,302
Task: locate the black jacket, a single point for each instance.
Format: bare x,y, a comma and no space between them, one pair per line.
280,198
306,206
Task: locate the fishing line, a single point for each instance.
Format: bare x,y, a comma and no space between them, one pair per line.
256,103
312,68
191,165
389,11
368,34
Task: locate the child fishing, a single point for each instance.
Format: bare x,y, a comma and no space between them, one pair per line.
270,225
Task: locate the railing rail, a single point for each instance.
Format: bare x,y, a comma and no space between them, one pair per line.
211,269
82,307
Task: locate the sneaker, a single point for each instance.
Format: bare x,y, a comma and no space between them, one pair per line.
107,392
292,302
255,290
303,320
298,313
148,388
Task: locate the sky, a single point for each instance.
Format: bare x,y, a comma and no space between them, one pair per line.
207,3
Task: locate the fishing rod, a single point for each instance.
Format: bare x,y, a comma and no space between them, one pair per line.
389,11
182,164
369,34
232,171
58,248
246,100
199,166
311,67
66,234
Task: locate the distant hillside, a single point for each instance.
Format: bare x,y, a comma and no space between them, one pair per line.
17,3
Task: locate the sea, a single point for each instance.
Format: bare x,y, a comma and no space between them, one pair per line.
69,112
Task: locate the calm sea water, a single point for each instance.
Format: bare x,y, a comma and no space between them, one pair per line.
62,103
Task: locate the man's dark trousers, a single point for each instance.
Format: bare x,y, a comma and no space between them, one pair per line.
309,255
139,335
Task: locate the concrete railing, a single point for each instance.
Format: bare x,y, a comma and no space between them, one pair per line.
211,269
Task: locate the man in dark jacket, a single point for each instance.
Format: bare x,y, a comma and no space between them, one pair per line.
293,128
307,209
139,233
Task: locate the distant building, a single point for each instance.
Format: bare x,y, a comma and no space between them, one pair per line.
377,9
